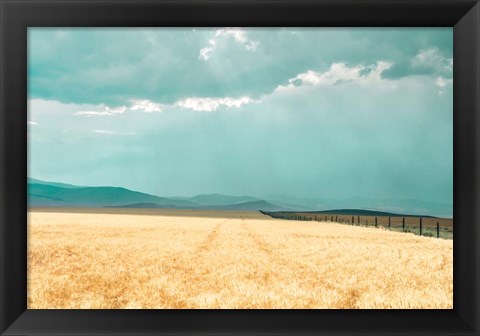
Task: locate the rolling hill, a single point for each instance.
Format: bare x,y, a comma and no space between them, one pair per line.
253,205
53,194
219,199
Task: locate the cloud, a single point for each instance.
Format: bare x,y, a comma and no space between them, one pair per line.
105,111
205,52
145,105
212,104
237,34
338,73
100,131
442,82
137,64
432,59
33,123
92,113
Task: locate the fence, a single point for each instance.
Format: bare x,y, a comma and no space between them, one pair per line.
423,226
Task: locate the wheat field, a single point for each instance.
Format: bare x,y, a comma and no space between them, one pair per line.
229,260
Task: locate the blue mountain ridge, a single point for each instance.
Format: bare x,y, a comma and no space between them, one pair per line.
54,194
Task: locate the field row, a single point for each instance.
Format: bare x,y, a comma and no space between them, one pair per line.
81,260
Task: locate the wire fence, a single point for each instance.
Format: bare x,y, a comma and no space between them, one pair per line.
423,226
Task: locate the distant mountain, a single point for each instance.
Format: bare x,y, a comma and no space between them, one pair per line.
45,201
410,206
52,195
299,203
255,205
244,206
144,206
219,199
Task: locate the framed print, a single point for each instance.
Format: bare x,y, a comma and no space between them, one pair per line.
210,167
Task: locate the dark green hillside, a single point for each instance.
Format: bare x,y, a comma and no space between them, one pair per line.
95,196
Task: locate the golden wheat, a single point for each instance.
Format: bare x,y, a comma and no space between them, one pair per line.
82,260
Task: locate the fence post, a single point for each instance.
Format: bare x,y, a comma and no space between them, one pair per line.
325,218
315,217
389,222
420,226
358,220
376,223
366,221
353,220
331,219
403,223
438,230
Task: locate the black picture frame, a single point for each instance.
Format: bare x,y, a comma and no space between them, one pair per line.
17,15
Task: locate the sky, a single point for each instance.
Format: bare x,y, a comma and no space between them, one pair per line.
303,112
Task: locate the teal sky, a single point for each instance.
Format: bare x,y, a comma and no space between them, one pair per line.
333,113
